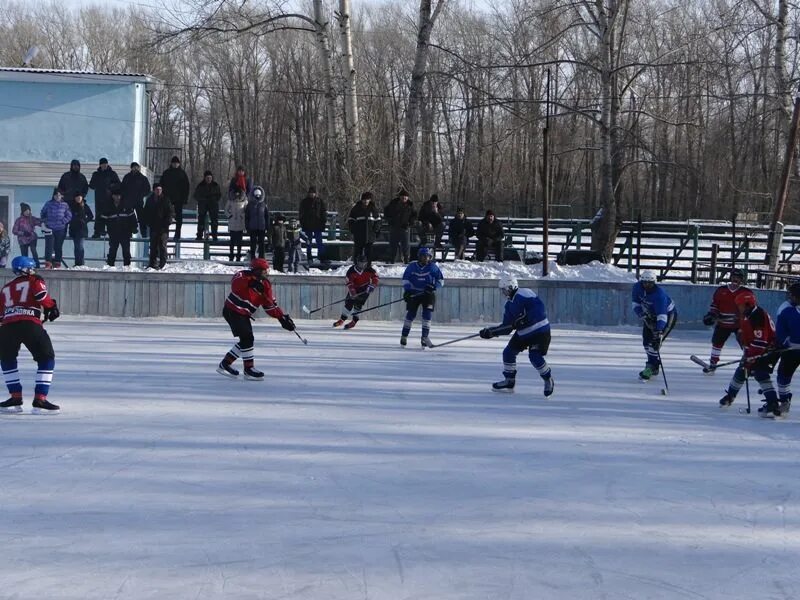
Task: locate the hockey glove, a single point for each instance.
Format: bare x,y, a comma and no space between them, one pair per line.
487,333
286,322
257,286
709,319
408,295
52,313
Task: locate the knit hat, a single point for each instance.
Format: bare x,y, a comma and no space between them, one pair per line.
103,161
135,164
489,212
434,197
78,193
312,190
207,173
366,196
23,206
175,159
402,193
74,162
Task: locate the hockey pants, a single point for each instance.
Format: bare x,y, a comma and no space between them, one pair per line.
536,344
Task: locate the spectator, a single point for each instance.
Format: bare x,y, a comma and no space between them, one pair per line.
294,241
176,187
158,215
73,181
240,181
256,218
121,225
431,223
101,183
25,230
5,245
135,188
79,225
364,223
459,232
207,194
399,215
313,216
278,234
490,238
235,211
56,216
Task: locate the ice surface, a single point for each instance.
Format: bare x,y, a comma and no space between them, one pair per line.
359,470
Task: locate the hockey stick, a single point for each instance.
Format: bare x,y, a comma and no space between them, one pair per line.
312,311
665,390
708,368
461,339
300,337
747,389
382,305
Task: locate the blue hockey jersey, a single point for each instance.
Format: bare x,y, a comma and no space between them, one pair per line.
787,329
653,303
526,313
417,277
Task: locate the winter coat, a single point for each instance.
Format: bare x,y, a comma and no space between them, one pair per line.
400,215
236,210
135,187
207,194
73,182
120,222
56,215
232,187
5,249
158,214
256,215
24,229
81,215
176,185
312,214
492,232
364,222
101,183
428,214
460,228
278,234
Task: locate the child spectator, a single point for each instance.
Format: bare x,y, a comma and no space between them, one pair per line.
294,243
278,239
79,226
5,245
24,229
235,210
56,216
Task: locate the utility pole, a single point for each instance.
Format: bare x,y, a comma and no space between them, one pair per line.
546,182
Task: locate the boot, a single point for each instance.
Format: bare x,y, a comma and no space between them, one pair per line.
227,370
253,374
351,324
41,405
338,322
549,386
726,400
507,385
12,405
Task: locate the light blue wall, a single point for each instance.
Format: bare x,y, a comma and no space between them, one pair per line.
59,121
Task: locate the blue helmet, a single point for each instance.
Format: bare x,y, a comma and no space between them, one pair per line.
23,265
424,251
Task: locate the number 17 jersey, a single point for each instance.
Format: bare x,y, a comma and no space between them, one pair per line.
23,299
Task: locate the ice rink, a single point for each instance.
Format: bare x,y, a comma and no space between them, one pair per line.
360,470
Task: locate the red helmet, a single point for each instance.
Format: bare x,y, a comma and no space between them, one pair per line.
259,264
747,299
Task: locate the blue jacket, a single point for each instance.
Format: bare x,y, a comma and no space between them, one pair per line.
416,277
56,215
654,303
787,329
526,313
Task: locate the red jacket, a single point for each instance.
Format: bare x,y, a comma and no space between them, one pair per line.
361,282
24,298
756,333
245,299
723,306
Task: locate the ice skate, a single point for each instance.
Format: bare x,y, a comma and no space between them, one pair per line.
43,406
549,386
426,342
338,322
351,324
785,406
648,372
11,406
403,341
726,401
253,374
770,410
227,370
507,385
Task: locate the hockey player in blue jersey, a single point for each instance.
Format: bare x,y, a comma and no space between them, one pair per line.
657,312
525,313
421,279
787,333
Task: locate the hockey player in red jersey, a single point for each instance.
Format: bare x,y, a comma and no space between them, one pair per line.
723,313
361,281
24,304
249,290
757,336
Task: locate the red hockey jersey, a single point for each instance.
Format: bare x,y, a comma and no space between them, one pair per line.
756,333
723,306
360,282
245,299
24,298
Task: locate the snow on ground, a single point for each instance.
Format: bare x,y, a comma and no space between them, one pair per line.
362,470
461,269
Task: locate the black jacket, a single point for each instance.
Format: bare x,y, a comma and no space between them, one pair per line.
81,215
428,214
101,183
312,214
364,222
73,182
158,213
135,187
207,194
120,222
400,215
460,228
176,185
492,232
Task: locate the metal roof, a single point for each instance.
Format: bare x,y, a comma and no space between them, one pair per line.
15,73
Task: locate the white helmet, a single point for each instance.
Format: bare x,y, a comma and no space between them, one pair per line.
508,282
647,277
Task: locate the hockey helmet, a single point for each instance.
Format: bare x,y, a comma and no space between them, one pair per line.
746,299
424,251
647,277
508,284
23,265
259,264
